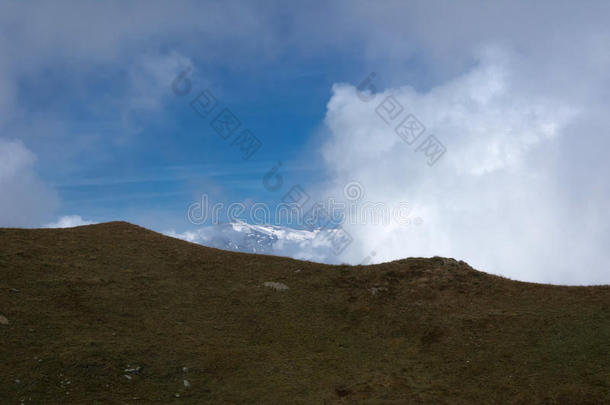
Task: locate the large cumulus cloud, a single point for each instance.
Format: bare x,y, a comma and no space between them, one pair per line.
497,198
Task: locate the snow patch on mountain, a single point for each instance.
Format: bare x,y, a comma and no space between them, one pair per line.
241,236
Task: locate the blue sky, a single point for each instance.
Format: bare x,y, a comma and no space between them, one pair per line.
90,126
117,148
114,147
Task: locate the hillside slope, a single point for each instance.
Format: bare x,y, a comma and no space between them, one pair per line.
114,313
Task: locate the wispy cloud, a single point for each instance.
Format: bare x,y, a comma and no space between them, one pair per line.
25,200
69,221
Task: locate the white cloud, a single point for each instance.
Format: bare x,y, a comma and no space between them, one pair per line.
68,221
495,198
24,199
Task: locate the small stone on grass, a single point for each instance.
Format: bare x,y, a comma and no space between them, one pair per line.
276,286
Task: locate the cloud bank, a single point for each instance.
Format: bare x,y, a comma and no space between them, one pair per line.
496,198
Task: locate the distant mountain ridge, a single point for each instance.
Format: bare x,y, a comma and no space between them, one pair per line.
240,236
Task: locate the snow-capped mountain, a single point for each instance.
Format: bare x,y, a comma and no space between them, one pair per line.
266,239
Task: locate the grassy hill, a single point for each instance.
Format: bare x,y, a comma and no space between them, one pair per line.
86,304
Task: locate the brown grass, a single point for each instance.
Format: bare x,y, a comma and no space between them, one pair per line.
86,303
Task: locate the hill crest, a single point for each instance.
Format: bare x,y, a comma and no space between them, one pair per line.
87,304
